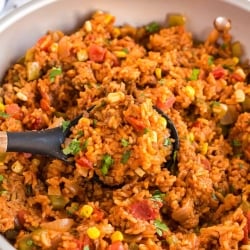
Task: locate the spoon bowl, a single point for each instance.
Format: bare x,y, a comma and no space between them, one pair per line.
48,142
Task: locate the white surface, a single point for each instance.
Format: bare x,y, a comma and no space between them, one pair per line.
21,28
6,6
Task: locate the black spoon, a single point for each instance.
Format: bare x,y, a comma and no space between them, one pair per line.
48,142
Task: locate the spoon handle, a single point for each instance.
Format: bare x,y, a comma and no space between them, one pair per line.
45,142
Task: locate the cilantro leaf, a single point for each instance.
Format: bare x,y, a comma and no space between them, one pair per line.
3,114
152,27
107,162
158,196
167,142
124,142
55,71
160,227
65,125
73,148
194,75
210,60
125,157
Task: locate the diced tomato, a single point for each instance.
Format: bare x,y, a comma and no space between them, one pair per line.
64,48
165,105
246,228
197,124
14,110
83,243
45,104
237,77
219,73
44,42
137,124
143,210
205,162
96,53
116,246
97,215
84,162
20,218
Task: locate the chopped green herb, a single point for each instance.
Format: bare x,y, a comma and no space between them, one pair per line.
175,155
223,46
124,142
215,103
160,227
236,143
28,190
125,157
85,144
210,60
4,115
146,130
167,142
86,247
241,165
158,196
214,197
73,148
65,125
1,178
29,242
125,50
80,133
54,72
231,188
107,162
72,208
152,27
3,192
194,75
94,123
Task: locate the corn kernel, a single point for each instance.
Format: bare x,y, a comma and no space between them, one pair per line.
121,53
17,167
88,26
163,122
93,233
116,32
2,107
54,47
190,91
191,137
241,73
115,97
84,121
35,162
117,236
240,95
86,211
108,19
158,73
236,60
82,55
220,109
204,148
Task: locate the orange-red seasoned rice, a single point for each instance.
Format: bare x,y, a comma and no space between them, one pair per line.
125,71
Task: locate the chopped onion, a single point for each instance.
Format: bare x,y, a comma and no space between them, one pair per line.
61,225
230,117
